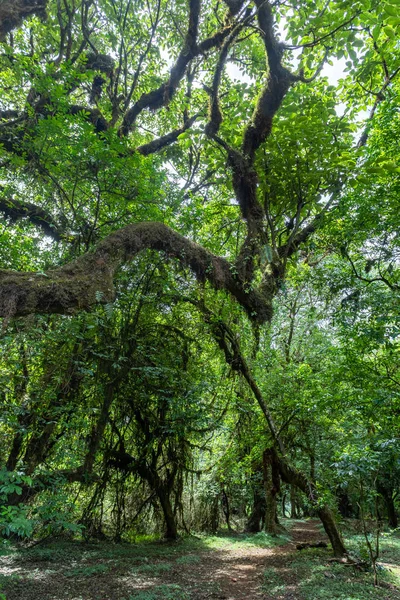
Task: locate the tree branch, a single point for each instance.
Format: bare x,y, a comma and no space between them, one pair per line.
278,83
162,95
166,140
81,284
215,116
13,12
15,210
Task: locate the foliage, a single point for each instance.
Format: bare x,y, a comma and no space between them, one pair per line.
199,270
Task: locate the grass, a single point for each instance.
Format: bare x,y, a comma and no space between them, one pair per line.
189,559
120,568
6,579
315,576
162,592
243,541
153,569
145,548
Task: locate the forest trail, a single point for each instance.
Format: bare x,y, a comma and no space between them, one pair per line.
239,573
235,567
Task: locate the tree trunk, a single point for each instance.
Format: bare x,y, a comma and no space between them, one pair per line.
391,511
328,521
171,531
272,486
293,503
226,509
257,515
291,475
387,494
284,505
344,504
212,523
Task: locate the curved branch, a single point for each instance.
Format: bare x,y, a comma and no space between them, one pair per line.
90,279
215,116
166,140
278,83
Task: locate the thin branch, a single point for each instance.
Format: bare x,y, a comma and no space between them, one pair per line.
166,140
163,94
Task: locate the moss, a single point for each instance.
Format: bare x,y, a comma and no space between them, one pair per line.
13,12
89,279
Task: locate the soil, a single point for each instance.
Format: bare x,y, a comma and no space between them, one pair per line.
228,573
240,573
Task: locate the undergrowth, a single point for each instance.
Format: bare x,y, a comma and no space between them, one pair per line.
315,576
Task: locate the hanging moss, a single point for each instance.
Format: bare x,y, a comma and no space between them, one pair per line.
13,12
89,279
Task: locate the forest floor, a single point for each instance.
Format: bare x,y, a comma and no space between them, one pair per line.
225,567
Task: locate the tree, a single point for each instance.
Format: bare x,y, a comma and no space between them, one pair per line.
108,150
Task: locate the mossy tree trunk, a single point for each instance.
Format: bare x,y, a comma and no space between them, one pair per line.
272,486
257,515
164,496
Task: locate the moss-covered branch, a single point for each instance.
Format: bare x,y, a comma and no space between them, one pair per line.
279,80
90,279
15,210
215,116
13,12
161,96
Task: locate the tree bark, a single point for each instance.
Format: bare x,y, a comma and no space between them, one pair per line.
88,280
386,492
329,522
272,486
257,515
171,530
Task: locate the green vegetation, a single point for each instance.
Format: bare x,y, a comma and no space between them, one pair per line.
165,592
199,292
317,578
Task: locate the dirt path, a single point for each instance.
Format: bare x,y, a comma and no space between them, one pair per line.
222,568
239,574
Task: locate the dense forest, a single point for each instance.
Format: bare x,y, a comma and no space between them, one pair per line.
199,270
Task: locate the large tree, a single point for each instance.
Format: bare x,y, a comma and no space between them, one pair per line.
204,131
75,111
